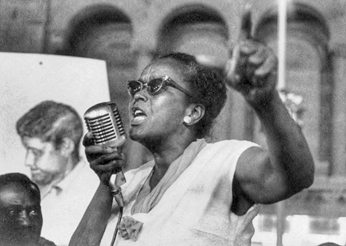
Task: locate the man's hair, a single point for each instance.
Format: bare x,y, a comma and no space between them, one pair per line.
52,122
22,179
206,85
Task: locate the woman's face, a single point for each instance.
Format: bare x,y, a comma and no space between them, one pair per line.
158,117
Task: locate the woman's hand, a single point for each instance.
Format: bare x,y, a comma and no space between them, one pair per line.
103,159
252,67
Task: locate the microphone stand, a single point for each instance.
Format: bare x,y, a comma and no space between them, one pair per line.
118,196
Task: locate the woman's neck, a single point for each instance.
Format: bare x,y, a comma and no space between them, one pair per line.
163,158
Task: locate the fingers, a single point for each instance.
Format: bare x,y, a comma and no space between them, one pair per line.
111,167
269,65
235,63
236,66
104,158
257,55
107,162
254,63
231,66
88,139
246,24
99,149
261,60
106,165
252,66
94,152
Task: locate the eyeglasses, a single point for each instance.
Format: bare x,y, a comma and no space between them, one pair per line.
154,86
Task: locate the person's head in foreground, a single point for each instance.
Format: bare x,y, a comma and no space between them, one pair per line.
20,211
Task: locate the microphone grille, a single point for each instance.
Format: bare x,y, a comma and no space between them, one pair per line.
118,121
104,121
102,128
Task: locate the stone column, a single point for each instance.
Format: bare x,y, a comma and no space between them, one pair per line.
339,119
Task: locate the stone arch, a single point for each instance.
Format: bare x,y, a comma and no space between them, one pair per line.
308,71
303,22
198,30
89,18
105,32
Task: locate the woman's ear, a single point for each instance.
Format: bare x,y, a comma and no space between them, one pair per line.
195,113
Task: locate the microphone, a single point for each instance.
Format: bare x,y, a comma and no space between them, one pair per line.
104,121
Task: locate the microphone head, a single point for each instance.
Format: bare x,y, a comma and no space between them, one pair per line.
104,121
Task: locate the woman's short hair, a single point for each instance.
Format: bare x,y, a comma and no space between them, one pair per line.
207,86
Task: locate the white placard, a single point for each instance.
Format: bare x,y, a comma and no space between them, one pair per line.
28,79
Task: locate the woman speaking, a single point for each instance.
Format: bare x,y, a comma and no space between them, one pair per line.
194,192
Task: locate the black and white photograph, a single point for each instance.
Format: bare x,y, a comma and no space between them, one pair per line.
173,122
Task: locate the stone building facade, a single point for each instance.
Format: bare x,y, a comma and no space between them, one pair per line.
129,33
